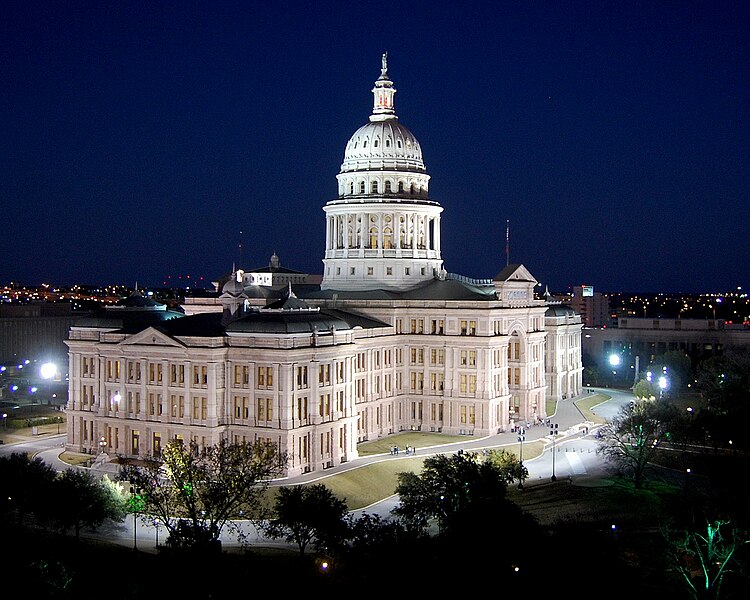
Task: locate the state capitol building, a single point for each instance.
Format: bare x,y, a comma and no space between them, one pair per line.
388,340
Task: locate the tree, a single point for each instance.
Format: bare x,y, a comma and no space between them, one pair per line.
703,561
508,464
83,500
195,493
724,384
645,390
447,486
630,440
308,514
25,485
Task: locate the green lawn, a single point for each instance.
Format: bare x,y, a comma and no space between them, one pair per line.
371,483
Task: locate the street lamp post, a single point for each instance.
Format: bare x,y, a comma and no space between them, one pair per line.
48,371
135,505
521,438
553,433
662,386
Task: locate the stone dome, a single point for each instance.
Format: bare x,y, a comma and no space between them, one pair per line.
383,144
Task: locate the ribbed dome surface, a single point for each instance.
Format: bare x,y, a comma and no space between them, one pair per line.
383,144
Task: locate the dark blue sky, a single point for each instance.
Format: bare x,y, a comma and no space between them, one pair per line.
138,139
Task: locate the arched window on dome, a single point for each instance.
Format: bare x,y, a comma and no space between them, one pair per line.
388,142
400,186
413,190
375,143
374,187
361,187
351,187
398,143
364,144
388,186
387,238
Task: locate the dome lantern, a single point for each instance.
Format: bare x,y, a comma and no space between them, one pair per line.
383,95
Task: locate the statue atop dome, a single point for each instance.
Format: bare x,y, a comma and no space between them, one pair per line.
384,66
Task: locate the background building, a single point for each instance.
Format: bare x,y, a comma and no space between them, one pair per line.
592,306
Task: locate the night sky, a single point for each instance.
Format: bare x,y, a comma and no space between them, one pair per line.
141,140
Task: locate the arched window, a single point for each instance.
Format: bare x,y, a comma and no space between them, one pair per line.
374,187
413,191
398,143
373,237
361,187
400,186
375,143
364,144
387,237
388,187
351,187
388,142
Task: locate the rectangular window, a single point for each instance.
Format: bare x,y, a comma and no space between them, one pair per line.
417,356
324,374
265,377
301,378
437,356
417,381
200,375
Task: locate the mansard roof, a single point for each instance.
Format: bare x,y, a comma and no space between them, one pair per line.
436,289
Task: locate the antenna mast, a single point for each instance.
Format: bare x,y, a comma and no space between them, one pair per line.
507,242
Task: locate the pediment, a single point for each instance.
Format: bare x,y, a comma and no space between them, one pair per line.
515,273
152,337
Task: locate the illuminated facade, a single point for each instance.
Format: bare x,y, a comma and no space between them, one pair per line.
389,341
